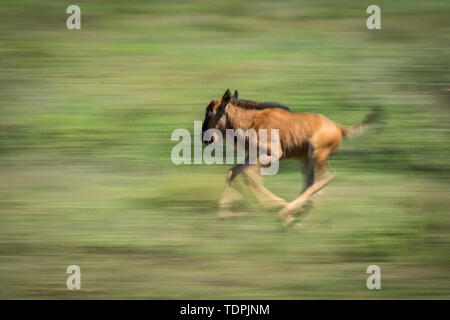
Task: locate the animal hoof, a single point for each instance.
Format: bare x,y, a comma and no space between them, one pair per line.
223,214
285,212
288,220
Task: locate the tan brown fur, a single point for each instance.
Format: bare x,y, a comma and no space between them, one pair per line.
308,137
296,130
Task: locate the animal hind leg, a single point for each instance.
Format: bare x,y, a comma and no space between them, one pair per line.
309,166
319,157
286,214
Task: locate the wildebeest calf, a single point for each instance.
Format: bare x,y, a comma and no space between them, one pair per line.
308,137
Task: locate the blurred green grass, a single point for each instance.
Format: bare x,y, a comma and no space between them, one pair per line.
86,175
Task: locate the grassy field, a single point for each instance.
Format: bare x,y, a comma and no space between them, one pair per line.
86,176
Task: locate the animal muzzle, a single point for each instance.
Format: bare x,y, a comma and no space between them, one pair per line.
207,141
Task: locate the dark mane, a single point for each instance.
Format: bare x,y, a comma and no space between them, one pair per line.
250,104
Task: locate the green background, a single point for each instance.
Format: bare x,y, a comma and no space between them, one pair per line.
86,176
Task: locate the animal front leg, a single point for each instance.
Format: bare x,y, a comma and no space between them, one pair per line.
264,196
233,172
231,194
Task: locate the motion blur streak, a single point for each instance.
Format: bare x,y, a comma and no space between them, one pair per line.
86,177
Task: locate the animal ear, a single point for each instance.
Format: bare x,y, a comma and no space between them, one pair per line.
226,96
211,103
235,95
225,100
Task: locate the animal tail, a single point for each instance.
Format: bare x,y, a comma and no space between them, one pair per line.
371,121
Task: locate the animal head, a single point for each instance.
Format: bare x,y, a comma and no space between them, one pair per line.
215,114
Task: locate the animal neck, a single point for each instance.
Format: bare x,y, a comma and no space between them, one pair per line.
238,118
